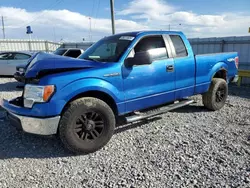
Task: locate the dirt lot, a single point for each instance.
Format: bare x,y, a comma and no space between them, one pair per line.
189,147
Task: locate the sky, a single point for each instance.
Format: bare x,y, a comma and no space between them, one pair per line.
75,20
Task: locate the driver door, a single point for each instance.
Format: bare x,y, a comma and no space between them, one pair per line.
152,84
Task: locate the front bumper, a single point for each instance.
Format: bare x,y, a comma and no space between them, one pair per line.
45,126
33,125
19,77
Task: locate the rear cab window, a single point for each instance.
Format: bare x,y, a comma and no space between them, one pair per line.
180,48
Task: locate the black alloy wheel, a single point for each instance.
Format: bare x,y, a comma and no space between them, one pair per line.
86,125
89,126
215,98
220,94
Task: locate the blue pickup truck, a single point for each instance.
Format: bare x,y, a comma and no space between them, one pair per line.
129,76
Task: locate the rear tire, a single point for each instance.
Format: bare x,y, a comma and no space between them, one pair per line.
86,125
217,94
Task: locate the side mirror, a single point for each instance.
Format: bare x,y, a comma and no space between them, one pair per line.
140,58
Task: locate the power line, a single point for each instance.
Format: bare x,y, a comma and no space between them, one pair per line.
90,30
92,11
90,17
97,10
43,13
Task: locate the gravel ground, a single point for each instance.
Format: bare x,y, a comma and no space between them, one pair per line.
189,147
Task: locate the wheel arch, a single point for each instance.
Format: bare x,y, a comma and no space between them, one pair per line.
95,94
220,70
221,73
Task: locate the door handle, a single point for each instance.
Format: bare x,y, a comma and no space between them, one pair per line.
170,68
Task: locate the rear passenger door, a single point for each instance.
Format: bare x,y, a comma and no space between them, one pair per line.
184,67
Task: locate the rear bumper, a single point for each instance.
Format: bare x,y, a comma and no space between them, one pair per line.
235,79
33,125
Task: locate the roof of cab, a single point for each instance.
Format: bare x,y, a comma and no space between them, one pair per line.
150,32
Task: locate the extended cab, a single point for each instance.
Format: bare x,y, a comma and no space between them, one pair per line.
123,76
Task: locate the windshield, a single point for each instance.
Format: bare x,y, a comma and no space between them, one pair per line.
60,51
108,49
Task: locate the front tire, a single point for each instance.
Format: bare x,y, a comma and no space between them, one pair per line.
217,94
86,125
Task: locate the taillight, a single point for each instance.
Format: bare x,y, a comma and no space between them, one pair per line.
236,60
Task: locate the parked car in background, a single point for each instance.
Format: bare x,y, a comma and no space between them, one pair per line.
20,69
70,52
9,61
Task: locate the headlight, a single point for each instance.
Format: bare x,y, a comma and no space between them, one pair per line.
34,93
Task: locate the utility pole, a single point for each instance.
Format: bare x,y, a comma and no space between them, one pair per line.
3,28
90,30
169,27
112,16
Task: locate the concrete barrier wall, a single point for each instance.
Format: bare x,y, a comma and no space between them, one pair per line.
27,45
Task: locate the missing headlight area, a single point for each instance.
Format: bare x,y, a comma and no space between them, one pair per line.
17,101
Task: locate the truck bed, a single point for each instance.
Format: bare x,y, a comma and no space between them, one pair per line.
206,62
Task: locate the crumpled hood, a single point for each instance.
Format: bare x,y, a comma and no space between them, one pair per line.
50,62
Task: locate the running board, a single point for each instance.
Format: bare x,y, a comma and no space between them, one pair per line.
159,111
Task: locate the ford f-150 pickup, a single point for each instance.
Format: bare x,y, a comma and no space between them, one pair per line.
129,76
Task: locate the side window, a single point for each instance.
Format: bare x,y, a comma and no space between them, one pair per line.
154,45
4,56
179,46
73,53
21,56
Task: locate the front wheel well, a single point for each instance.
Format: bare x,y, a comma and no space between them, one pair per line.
99,95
